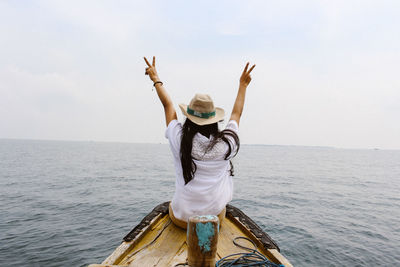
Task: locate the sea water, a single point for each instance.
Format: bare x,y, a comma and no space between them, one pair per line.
71,203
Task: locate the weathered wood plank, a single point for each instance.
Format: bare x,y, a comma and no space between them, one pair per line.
272,254
122,250
156,228
180,257
276,256
162,250
228,232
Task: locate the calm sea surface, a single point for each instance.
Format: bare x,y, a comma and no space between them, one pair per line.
71,203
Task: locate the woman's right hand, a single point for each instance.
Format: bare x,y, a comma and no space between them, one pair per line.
151,70
246,78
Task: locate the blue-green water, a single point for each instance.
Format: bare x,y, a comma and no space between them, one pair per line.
70,203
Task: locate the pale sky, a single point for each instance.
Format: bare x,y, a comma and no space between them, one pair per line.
327,72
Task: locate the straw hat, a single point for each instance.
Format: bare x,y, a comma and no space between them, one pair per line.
201,110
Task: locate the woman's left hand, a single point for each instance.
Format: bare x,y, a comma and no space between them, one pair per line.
151,70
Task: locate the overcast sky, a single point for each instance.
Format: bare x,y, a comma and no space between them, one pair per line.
327,72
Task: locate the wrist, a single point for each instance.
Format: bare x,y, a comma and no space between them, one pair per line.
158,82
155,78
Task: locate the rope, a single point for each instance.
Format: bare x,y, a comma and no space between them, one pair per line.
252,258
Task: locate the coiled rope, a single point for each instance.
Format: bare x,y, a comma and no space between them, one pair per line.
252,258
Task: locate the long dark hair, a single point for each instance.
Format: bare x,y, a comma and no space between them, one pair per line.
189,130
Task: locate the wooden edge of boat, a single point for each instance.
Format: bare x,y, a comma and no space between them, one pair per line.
265,244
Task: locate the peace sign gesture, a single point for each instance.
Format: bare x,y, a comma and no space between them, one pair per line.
151,69
246,78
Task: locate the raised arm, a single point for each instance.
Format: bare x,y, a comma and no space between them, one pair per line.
169,110
239,103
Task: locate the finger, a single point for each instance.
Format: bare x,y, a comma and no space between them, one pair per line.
154,61
245,68
148,64
251,68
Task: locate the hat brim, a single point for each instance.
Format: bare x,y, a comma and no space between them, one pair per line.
219,115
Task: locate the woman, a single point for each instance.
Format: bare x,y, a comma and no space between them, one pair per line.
201,152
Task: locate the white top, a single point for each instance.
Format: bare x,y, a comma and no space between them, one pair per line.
211,187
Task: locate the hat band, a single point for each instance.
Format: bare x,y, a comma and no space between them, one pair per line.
202,115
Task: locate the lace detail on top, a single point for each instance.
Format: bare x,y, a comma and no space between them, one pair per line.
200,146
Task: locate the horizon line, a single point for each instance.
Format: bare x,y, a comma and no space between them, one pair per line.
166,143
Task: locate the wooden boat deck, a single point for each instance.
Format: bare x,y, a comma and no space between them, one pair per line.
156,241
